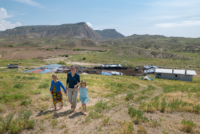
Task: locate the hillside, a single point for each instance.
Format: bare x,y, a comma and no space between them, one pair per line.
80,30
158,42
109,33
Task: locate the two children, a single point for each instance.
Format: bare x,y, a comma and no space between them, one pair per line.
55,90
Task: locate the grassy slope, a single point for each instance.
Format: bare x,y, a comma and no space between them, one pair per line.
160,100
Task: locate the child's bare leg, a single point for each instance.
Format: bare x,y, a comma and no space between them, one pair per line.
55,106
61,104
83,107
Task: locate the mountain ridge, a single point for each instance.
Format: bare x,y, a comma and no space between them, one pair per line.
109,33
81,30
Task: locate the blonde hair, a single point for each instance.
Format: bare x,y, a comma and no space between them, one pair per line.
83,82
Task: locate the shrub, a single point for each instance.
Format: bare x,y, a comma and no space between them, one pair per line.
141,97
133,86
5,123
61,62
11,45
138,115
54,122
188,125
127,128
105,121
29,78
26,102
84,58
1,108
56,47
154,123
1,77
141,130
66,55
100,106
18,77
43,85
94,115
130,96
18,85
163,105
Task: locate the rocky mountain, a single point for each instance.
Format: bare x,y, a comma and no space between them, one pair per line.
80,30
109,33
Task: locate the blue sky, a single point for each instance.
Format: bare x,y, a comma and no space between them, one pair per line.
155,17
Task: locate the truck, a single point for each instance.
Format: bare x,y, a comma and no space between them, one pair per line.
12,66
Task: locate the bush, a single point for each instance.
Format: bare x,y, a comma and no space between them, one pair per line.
11,45
43,85
100,106
105,121
137,115
188,125
94,115
29,78
54,122
163,105
1,108
26,102
66,55
141,130
127,128
141,97
130,96
18,85
1,77
84,58
56,47
18,77
61,62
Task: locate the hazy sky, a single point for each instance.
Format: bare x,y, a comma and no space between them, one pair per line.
161,17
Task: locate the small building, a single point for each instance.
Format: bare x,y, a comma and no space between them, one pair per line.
174,74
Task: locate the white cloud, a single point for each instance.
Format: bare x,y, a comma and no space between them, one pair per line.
3,14
29,2
177,3
181,24
4,24
89,24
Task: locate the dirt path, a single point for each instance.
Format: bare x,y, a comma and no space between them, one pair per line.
74,63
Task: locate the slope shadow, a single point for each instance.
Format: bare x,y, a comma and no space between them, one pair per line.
76,115
61,114
44,112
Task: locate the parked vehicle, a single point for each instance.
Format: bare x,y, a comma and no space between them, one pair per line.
12,66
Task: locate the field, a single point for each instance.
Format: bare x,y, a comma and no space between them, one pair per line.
117,104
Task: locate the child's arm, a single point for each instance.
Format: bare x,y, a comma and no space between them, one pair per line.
77,89
63,87
67,82
51,87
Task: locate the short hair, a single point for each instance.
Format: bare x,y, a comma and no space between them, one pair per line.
73,66
55,75
83,82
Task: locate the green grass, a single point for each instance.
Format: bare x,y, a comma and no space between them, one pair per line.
25,62
16,125
188,125
138,115
44,85
130,96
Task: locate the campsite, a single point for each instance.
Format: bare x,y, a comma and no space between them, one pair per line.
99,67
